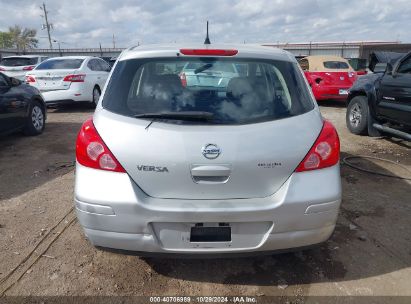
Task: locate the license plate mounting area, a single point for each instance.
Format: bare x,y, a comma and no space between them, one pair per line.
201,234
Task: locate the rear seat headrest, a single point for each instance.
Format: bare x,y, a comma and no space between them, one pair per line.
238,86
163,86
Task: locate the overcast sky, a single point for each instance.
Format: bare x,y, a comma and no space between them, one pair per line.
81,23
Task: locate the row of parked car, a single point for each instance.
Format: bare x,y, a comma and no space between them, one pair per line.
28,84
60,79
82,78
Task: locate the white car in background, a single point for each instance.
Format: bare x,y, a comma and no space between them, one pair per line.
18,66
70,79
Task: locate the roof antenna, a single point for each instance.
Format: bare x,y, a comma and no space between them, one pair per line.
207,40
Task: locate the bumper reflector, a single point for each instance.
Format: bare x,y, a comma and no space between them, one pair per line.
96,209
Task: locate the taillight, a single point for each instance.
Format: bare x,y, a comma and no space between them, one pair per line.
208,52
183,79
30,78
92,152
75,78
29,68
324,153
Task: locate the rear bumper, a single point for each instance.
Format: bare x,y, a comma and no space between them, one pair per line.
62,102
146,244
115,213
329,92
74,94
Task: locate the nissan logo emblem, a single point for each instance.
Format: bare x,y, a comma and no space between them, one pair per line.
211,151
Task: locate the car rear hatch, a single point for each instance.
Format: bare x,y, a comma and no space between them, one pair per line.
167,161
11,70
51,80
17,63
248,140
17,66
56,73
336,79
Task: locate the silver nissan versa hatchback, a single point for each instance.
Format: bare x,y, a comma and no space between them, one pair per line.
168,165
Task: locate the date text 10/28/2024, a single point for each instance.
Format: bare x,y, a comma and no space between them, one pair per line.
203,299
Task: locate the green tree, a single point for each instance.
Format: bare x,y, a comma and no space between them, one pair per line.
5,40
23,39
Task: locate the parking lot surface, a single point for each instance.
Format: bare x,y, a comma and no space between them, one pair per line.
44,252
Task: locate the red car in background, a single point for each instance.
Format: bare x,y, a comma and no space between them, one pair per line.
330,77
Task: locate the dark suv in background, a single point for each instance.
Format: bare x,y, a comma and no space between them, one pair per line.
380,103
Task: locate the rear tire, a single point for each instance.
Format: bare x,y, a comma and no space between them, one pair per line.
36,121
96,96
357,115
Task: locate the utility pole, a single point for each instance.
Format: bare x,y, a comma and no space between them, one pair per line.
48,25
114,42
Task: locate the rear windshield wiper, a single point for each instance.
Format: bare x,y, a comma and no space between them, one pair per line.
183,115
203,68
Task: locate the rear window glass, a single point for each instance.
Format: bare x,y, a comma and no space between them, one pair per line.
55,64
260,90
18,61
336,65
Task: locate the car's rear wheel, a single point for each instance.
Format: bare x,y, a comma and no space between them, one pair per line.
96,95
36,121
357,115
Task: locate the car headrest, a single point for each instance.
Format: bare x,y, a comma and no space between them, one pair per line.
171,81
163,86
239,86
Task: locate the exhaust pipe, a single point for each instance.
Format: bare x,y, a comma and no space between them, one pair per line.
392,131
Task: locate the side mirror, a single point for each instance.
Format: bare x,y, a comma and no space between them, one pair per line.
380,68
15,82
